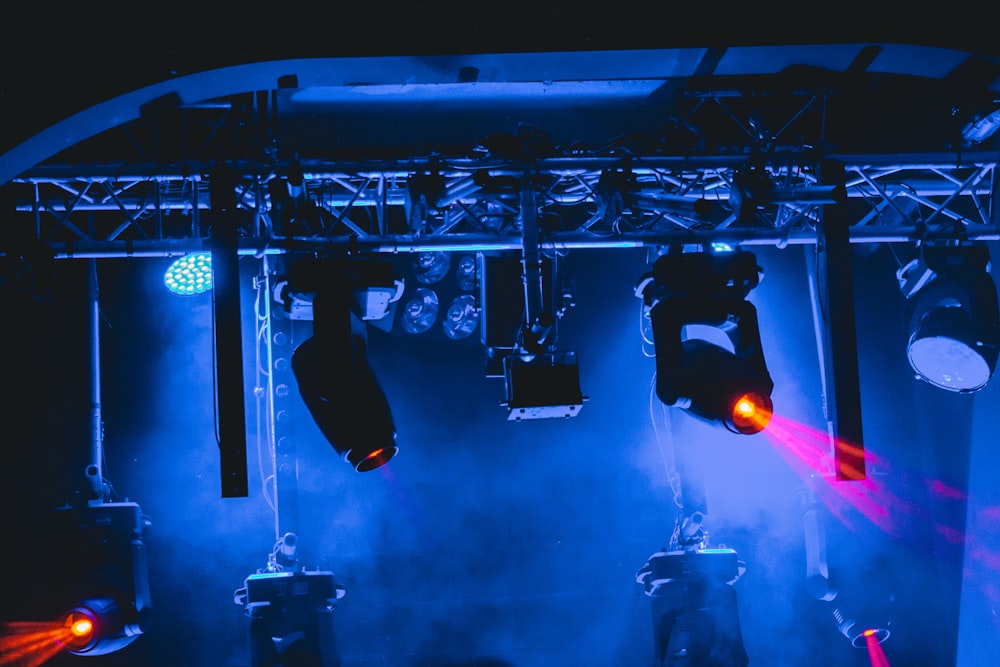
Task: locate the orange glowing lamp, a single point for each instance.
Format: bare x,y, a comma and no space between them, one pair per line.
751,412
81,628
376,458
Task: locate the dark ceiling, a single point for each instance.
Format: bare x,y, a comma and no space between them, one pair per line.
62,58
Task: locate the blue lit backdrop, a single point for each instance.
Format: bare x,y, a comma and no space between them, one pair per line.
512,542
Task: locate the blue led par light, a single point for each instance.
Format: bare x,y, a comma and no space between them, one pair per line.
189,275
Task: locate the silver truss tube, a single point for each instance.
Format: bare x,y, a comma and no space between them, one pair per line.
477,242
95,466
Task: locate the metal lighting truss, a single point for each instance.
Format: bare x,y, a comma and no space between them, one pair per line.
584,201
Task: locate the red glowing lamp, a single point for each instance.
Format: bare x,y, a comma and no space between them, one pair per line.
82,628
751,413
376,459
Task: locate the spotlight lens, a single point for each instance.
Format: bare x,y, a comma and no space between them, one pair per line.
869,637
81,627
751,412
431,267
465,273
420,311
461,318
948,363
376,459
191,274
81,630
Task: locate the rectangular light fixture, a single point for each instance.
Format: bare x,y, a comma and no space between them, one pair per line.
543,388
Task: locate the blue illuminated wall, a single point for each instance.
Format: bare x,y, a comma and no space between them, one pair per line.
486,542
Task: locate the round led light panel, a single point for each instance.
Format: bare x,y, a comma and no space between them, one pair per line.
189,275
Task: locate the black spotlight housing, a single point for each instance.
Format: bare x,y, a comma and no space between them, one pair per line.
695,613
720,386
335,380
725,383
97,627
952,315
102,574
346,401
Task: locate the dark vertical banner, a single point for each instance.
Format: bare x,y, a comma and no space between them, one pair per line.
836,289
230,407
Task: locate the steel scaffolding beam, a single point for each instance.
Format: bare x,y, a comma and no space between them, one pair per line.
112,210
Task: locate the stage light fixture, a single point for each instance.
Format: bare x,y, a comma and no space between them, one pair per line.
344,397
981,127
190,274
467,273
80,626
751,412
290,608
335,380
420,311
96,627
431,266
859,633
952,316
547,386
695,613
106,577
721,377
461,318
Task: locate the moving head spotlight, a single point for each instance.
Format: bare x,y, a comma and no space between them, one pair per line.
104,572
97,626
709,359
337,384
952,317
695,613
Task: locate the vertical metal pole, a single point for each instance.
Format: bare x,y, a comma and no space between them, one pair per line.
94,470
281,435
286,466
532,271
836,295
812,256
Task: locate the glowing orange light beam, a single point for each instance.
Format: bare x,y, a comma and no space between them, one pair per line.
27,641
31,644
875,653
28,627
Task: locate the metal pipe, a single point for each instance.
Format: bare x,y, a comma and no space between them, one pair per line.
531,259
488,242
819,330
324,169
94,470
